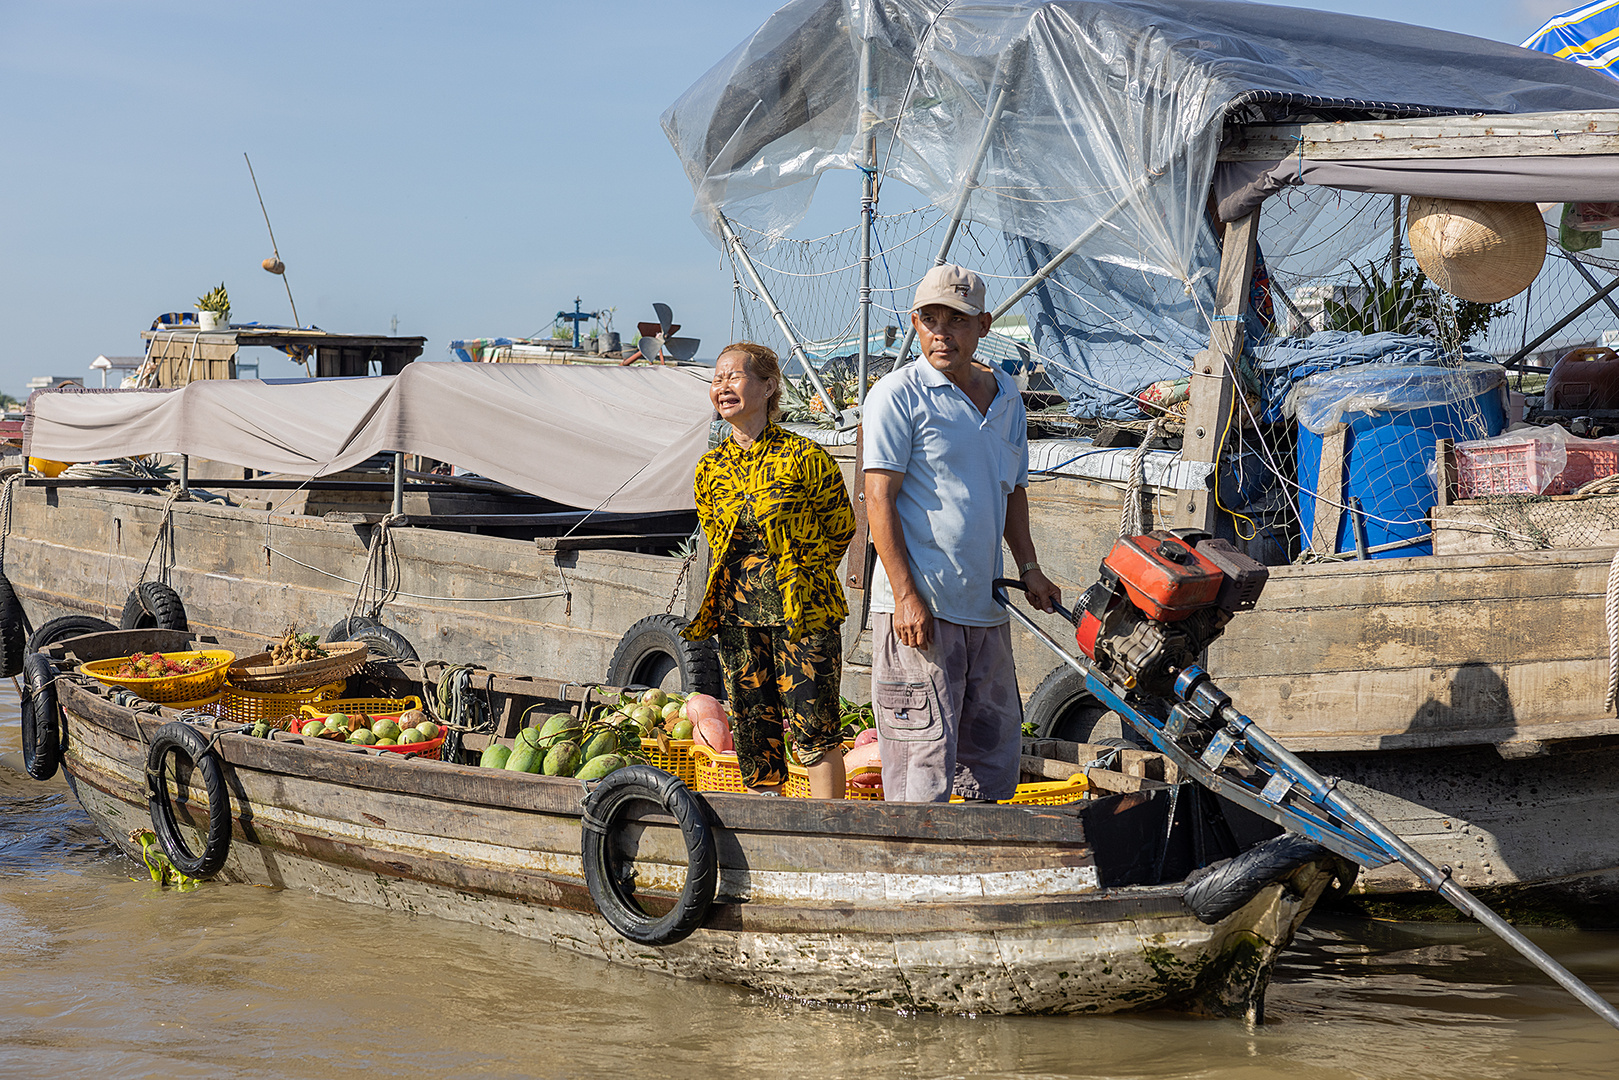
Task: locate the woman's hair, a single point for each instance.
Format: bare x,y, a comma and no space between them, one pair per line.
762,363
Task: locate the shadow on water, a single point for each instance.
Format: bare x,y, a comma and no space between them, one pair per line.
103,975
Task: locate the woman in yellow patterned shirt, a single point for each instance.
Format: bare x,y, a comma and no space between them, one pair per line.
777,517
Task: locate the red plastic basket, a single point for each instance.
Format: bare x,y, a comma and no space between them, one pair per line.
1521,469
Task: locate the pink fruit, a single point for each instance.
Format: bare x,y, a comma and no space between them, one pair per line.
867,736
710,726
864,757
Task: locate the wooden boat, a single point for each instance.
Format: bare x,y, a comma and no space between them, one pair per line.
976,909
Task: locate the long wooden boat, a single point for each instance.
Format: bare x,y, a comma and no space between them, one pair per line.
975,909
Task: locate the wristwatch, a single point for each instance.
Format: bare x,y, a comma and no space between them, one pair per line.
1023,569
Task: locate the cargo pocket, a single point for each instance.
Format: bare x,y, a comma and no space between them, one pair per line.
906,712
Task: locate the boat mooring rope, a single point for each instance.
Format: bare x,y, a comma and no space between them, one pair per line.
455,707
1132,514
1611,610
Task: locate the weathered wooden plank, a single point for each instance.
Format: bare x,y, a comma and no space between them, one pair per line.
1555,134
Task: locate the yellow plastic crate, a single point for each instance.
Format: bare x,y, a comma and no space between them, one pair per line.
213,704
677,760
720,772
240,706
188,687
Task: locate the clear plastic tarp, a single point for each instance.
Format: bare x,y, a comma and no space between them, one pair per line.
1322,402
1533,461
1111,117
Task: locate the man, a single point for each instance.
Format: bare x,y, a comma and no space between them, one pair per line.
947,473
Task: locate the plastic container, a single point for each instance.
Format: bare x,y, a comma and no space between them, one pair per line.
250,706
191,686
391,708
1546,461
1393,414
1584,378
715,771
677,760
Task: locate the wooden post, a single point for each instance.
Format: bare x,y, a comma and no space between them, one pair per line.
1213,386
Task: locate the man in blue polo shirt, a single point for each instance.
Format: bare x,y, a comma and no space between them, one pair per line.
947,473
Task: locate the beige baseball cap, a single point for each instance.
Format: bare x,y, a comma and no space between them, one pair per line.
954,287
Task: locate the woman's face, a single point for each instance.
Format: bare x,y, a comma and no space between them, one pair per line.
739,396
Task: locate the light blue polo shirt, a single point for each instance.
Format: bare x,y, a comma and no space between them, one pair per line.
958,468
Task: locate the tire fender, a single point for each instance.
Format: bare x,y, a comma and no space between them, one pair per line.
655,643
187,741
152,605
41,718
13,630
342,628
1226,886
613,892
66,626
383,641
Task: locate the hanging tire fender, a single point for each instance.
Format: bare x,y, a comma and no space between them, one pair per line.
152,605
653,647
383,641
352,624
1225,887
13,630
183,739
613,892
66,626
41,718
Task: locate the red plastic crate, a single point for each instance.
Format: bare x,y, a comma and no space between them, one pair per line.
1523,468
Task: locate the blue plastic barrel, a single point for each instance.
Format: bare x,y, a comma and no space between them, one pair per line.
1393,415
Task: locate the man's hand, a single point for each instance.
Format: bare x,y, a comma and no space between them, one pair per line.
913,622
1043,592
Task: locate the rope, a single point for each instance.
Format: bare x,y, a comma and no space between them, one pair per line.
454,707
1133,511
1611,610
165,538
380,558
420,596
5,514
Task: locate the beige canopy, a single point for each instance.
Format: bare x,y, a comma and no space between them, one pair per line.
623,439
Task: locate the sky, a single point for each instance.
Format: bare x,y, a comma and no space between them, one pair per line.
465,168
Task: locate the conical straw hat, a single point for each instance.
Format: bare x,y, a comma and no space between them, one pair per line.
1479,251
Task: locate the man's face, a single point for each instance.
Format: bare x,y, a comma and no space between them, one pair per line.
947,337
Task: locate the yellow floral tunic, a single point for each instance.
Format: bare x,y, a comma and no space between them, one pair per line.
797,496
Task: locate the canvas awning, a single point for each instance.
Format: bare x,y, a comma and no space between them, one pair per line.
622,439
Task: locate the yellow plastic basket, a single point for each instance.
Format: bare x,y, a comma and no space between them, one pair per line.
1052,792
191,686
213,705
678,760
720,772
250,706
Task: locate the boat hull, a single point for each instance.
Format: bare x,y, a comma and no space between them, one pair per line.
879,912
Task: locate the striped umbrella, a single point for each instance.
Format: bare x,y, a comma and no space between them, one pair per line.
1587,35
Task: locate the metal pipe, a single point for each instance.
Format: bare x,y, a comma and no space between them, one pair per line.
1518,356
399,483
1590,278
741,254
969,183
185,474
868,213
1062,256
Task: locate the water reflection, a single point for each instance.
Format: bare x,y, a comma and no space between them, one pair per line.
104,975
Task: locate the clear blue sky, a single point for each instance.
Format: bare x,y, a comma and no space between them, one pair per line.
466,167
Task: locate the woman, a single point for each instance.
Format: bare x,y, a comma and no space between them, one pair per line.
777,518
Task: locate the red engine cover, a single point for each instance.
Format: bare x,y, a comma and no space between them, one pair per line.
1164,576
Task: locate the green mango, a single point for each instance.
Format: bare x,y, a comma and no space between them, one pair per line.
562,759
559,728
525,758
598,767
603,742
495,756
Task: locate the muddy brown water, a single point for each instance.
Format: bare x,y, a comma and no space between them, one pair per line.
103,975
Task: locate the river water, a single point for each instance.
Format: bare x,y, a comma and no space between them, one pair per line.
103,975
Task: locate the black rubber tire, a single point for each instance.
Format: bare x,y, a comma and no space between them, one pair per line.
383,642
152,605
1226,886
652,649
13,630
1061,708
342,628
66,626
612,891
184,739
41,718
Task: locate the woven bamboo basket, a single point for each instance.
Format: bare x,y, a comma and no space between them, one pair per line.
257,673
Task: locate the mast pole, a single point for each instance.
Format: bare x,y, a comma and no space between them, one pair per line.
868,213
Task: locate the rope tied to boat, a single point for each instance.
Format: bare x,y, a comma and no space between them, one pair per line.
12,480
163,539
1611,610
379,582
455,707
1133,512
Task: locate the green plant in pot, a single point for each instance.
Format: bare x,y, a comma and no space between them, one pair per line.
215,307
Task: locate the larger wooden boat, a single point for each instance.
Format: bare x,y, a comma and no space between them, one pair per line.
979,909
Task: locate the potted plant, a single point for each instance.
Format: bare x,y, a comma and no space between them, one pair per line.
213,309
